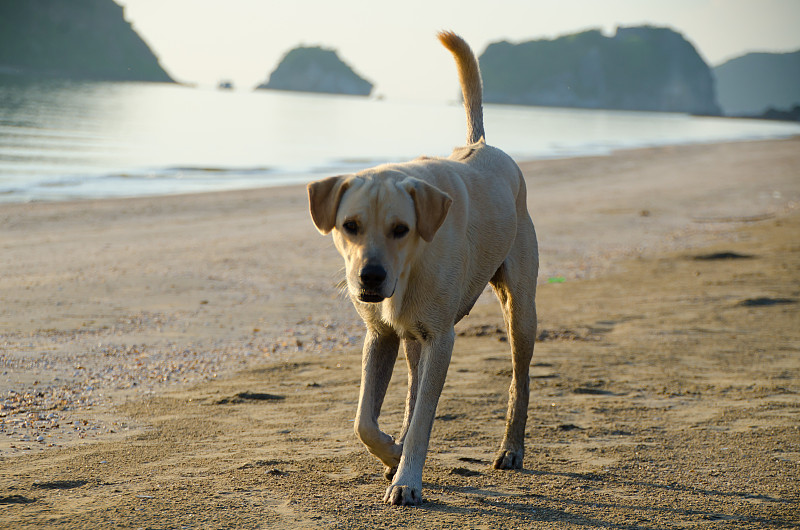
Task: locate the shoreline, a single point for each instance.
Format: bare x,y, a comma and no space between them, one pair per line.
287,181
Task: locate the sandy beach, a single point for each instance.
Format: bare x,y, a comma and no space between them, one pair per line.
189,361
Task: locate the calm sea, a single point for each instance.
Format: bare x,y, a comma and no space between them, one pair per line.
66,140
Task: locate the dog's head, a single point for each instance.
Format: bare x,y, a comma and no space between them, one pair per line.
378,220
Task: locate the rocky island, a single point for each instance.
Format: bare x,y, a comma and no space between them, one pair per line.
639,68
757,83
79,39
316,69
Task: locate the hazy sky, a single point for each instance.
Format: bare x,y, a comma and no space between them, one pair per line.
394,46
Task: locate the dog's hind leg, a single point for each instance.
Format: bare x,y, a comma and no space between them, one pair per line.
378,358
412,350
515,287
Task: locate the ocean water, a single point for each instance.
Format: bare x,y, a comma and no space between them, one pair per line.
74,140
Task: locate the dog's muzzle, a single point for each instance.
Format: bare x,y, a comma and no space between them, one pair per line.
372,277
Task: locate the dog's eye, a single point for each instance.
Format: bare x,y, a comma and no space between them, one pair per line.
399,231
351,227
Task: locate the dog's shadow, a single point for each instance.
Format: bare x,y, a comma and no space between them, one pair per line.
533,507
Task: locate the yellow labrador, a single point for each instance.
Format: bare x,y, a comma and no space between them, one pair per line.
420,241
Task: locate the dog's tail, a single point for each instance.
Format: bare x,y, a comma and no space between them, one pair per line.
469,74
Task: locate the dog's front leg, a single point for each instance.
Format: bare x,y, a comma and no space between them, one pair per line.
378,358
406,488
412,349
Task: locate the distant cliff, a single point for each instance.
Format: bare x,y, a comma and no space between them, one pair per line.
76,39
639,68
755,82
316,70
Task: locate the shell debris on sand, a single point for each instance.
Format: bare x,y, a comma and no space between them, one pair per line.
73,393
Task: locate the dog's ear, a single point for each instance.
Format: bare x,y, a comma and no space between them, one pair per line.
431,205
324,197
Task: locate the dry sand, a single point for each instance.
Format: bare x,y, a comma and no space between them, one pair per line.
188,362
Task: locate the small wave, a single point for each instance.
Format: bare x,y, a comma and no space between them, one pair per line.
211,169
65,183
192,173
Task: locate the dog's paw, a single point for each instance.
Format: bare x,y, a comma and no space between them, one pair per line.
508,460
399,495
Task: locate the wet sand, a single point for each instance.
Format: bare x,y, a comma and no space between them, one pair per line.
189,361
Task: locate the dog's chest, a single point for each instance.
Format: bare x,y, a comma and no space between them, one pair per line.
390,314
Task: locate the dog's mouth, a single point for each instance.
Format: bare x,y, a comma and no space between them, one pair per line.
370,297
373,296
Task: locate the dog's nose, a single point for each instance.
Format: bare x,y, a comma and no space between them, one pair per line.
372,276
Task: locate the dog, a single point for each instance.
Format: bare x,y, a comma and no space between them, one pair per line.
420,242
